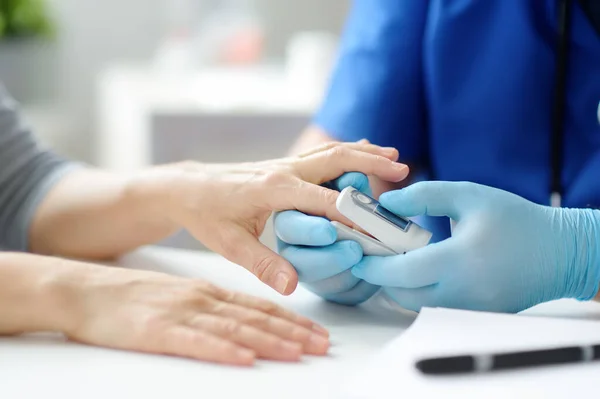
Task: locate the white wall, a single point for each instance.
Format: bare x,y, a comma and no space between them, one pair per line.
94,33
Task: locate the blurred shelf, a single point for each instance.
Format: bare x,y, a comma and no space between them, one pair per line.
245,104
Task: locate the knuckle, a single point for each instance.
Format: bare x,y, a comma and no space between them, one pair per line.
381,159
260,319
218,307
337,152
263,268
275,178
329,196
228,296
269,308
231,328
204,288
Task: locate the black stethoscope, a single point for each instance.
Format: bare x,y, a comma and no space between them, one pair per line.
592,9
560,95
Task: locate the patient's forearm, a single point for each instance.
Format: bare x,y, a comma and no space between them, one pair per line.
97,215
314,136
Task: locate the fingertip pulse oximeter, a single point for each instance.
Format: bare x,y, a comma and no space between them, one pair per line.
392,234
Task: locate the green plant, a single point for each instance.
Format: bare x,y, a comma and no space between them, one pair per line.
24,18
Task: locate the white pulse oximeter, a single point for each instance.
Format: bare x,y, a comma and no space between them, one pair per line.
393,234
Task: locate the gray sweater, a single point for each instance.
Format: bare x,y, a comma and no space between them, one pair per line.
27,173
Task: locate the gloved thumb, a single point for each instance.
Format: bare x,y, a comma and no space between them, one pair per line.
355,179
432,198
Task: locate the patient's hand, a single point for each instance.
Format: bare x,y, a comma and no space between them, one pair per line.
226,207
156,313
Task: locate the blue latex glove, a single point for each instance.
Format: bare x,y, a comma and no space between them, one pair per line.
324,266
506,254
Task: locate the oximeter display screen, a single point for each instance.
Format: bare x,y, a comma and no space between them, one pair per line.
399,222
372,205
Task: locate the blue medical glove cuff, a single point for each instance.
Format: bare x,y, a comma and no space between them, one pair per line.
586,229
593,270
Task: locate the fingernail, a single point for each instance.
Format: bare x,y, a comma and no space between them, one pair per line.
363,141
282,281
320,330
389,150
317,344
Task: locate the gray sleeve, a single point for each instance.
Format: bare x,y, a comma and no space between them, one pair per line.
27,173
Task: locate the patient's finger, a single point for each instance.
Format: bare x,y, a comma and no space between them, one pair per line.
308,198
328,165
363,146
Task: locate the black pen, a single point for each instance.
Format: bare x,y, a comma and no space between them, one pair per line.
510,360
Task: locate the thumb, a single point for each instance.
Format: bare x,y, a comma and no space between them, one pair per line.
247,251
435,198
355,179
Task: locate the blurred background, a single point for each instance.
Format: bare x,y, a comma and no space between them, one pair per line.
123,84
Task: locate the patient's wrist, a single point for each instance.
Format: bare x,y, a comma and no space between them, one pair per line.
149,195
36,293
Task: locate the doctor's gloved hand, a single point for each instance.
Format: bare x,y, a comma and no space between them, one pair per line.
506,254
324,266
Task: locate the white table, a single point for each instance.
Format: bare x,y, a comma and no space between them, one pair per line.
49,367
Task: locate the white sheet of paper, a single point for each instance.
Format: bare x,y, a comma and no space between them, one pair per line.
440,332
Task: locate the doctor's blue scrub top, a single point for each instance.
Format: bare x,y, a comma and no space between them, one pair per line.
464,89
